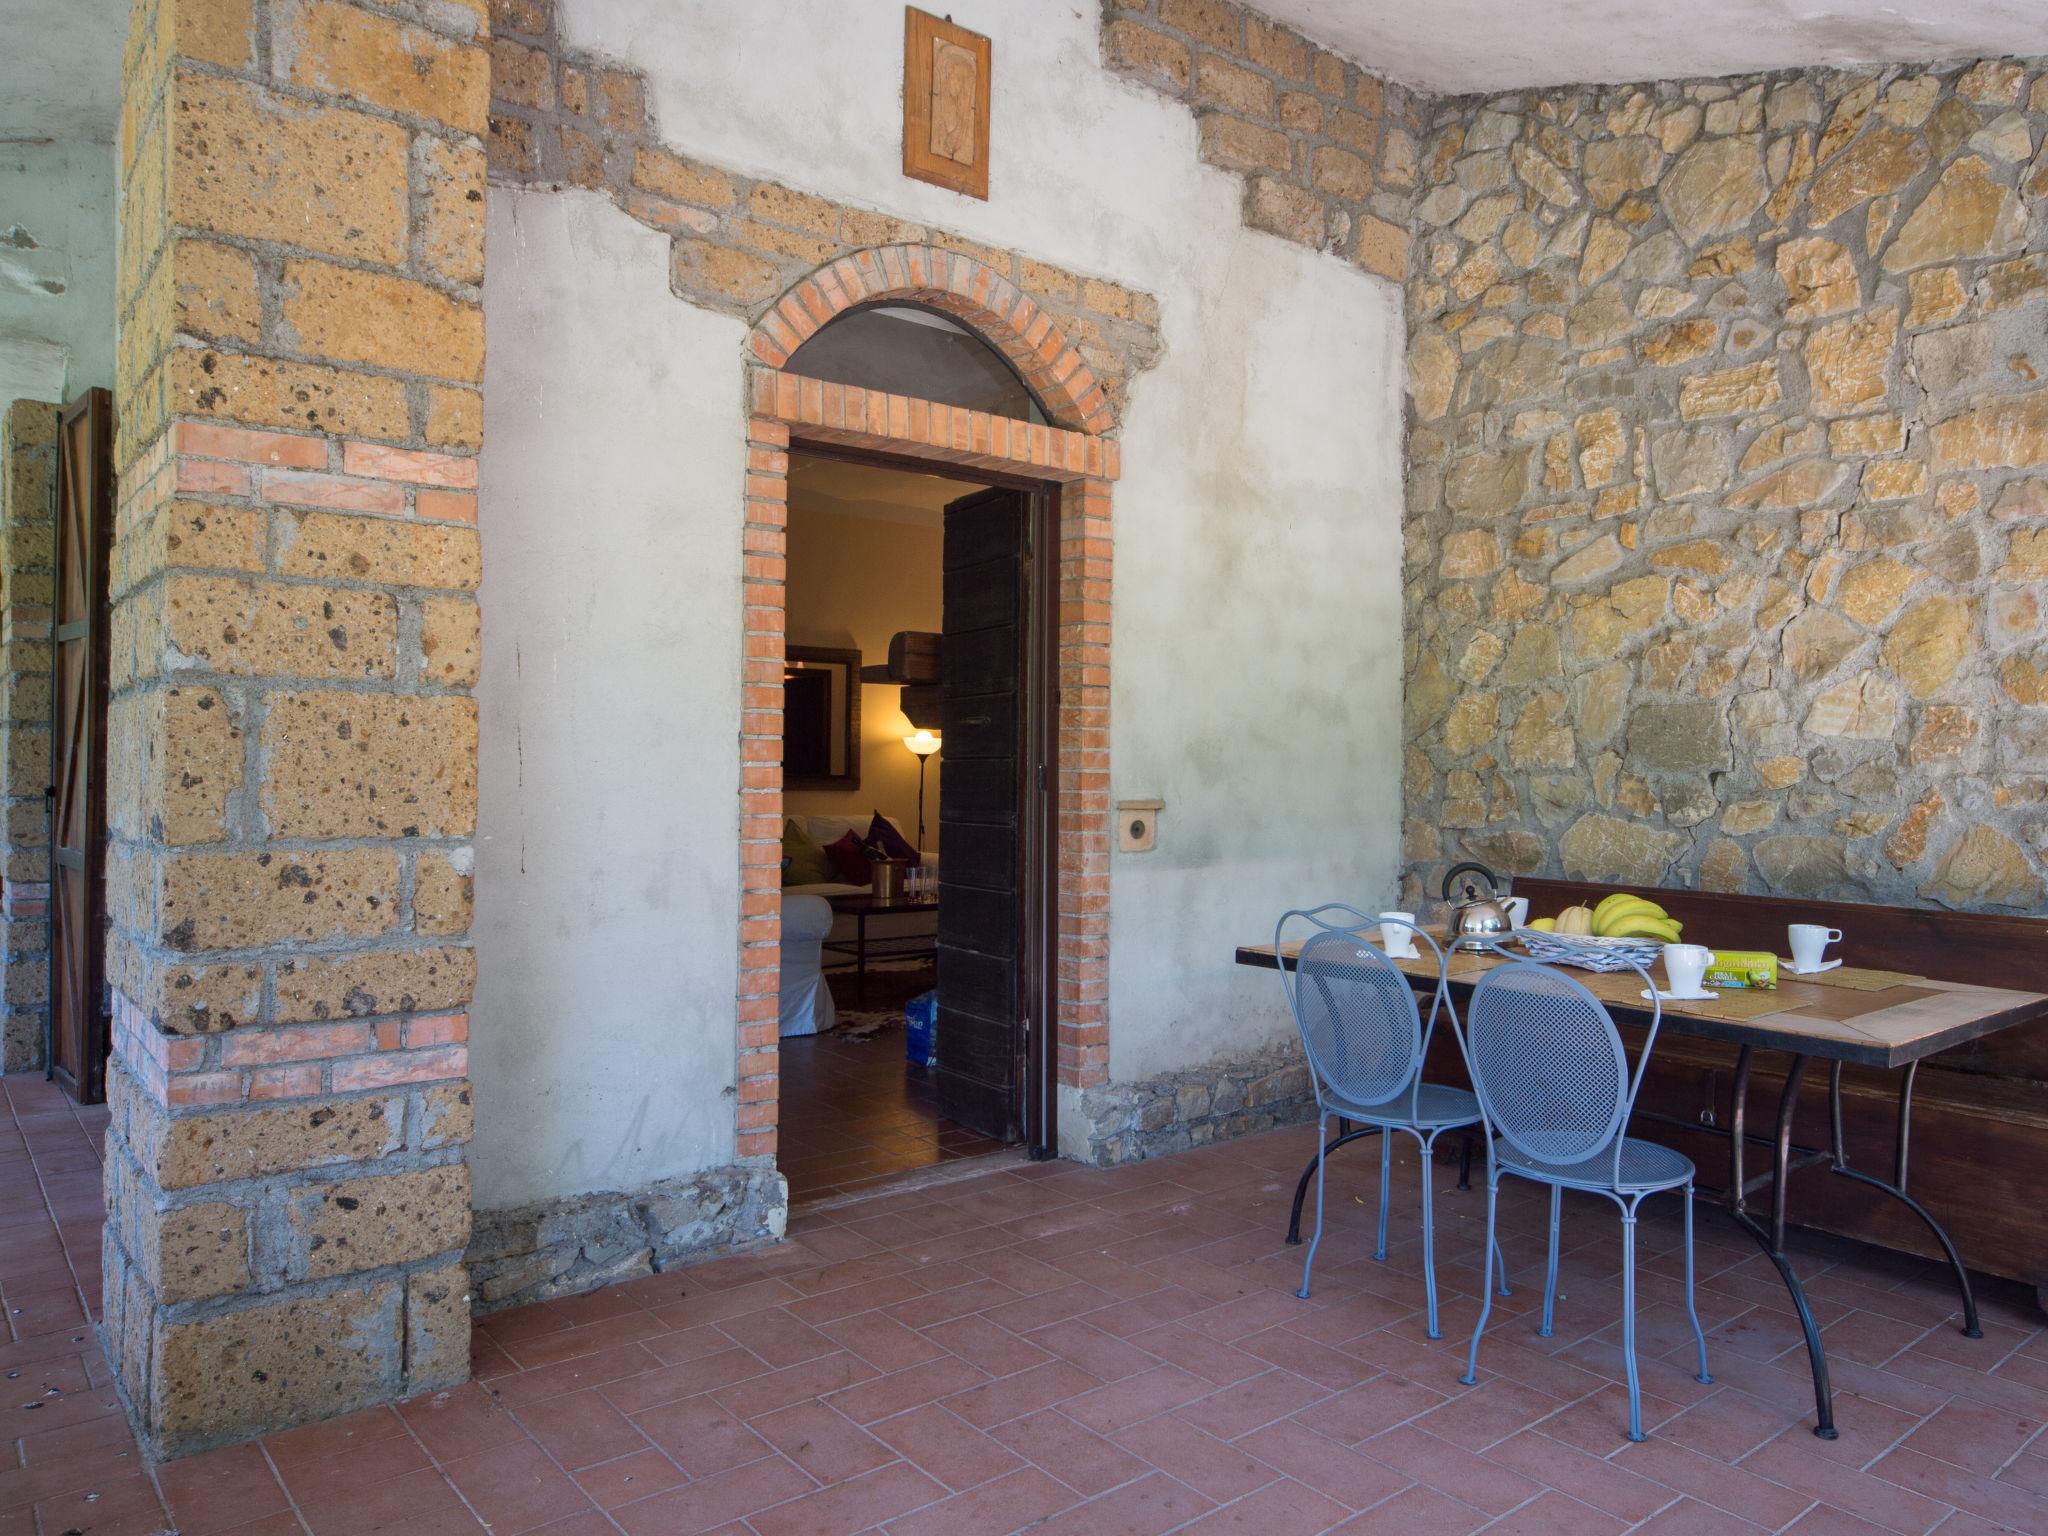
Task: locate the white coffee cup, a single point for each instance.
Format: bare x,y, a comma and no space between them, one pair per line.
1517,908
1685,967
1809,943
1397,941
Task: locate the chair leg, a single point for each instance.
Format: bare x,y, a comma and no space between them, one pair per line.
1628,1322
1309,1263
1502,1260
1471,1375
1550,1270
1386,1189
1427,1160
1691,1310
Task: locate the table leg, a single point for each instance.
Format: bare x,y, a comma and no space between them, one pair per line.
1309,1173
1772,1240
860,959
1897,1188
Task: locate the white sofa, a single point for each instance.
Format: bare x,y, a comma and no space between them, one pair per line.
805,1005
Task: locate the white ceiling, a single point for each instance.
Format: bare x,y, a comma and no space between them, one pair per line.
1501,45
60,68
846,489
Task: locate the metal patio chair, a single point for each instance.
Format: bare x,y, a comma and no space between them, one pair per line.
1556,1092
1366,1041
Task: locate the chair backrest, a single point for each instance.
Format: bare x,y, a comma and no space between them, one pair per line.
1356,1010
1547,1063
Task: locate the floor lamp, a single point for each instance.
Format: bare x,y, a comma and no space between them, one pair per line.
922,745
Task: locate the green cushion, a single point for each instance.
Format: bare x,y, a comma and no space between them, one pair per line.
803,861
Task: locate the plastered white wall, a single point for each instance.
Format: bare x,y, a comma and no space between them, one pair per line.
56,269
607,865
1256,634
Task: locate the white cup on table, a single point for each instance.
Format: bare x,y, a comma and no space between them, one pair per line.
1809,944
1396,940
1685,967
1517,909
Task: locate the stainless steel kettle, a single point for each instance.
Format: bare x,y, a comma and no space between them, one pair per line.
1476,916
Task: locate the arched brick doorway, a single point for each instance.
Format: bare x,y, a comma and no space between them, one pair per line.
1076,456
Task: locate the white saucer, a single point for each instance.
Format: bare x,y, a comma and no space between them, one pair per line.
1825,965
1684,997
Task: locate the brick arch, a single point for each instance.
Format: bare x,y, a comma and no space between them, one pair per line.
1003,314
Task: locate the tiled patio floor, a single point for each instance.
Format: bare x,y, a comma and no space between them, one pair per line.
1076,1352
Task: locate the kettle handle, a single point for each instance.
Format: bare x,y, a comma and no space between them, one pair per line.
1492,880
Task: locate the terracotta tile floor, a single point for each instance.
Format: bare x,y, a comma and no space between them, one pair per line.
855,1114
1081,1352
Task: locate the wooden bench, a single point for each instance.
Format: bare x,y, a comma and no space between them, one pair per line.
1980,1111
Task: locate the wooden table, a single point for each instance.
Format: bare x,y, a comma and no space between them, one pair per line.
1889,1021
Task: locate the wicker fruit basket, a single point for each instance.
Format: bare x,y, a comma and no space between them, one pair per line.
1585,951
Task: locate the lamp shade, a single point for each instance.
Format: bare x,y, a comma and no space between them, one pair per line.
924,743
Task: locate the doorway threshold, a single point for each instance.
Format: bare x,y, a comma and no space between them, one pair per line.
913,1180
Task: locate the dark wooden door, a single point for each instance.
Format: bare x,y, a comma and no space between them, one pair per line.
983,807
78,748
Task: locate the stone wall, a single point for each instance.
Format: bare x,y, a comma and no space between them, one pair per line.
1728,486
291,740
28,526
1215,1101
549,1248
1326,149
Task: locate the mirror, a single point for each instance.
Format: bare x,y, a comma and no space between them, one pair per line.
820,718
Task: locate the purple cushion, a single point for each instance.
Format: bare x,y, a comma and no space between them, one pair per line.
888,842
850,860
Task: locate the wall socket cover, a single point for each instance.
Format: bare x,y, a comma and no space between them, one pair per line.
1137,825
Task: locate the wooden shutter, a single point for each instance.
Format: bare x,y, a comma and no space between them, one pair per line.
78,747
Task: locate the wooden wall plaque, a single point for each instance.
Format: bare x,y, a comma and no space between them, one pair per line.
945,103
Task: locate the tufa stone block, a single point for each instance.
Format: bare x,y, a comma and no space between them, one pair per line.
344,50
370,765
264,392
260,1368
242,159
379,549
437,1328
357,986
442,894
240,900
350,316
368,1223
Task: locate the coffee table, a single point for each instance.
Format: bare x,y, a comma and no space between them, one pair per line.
909,946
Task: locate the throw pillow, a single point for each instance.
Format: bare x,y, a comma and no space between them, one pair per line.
883,838
803,861
850,860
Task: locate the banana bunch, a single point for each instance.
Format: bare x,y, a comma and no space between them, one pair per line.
1619,916
1633,917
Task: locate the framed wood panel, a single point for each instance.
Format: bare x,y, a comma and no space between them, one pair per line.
946,71
78,748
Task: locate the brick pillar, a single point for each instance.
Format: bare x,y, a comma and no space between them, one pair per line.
292,741
1085,568
28,510
765,595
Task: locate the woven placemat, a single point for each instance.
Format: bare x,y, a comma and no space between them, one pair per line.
1855,978
1734,1003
